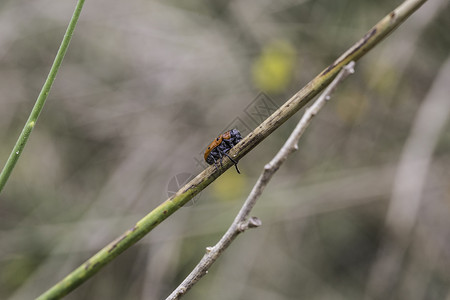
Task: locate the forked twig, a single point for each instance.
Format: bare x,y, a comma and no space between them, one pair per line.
242,221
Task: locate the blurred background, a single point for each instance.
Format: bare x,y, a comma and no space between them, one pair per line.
361,211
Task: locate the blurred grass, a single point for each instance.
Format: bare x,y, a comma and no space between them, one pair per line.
145,86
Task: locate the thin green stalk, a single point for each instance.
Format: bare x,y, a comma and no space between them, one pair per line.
39,105
196,185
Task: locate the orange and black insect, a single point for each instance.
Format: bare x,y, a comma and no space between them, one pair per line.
221,145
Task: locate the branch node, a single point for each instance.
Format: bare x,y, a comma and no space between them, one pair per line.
350,67
252,222
209,249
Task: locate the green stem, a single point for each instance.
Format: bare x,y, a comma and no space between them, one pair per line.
39,105
196,185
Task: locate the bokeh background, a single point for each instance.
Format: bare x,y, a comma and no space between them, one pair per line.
146,85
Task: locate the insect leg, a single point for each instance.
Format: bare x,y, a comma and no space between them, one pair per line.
221,157
215,163
235,162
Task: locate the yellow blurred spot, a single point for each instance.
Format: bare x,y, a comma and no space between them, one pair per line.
272,71
351,106
230,186
384,79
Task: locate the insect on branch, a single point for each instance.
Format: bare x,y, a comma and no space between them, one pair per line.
242,221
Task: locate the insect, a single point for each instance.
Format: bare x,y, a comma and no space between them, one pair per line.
220,146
